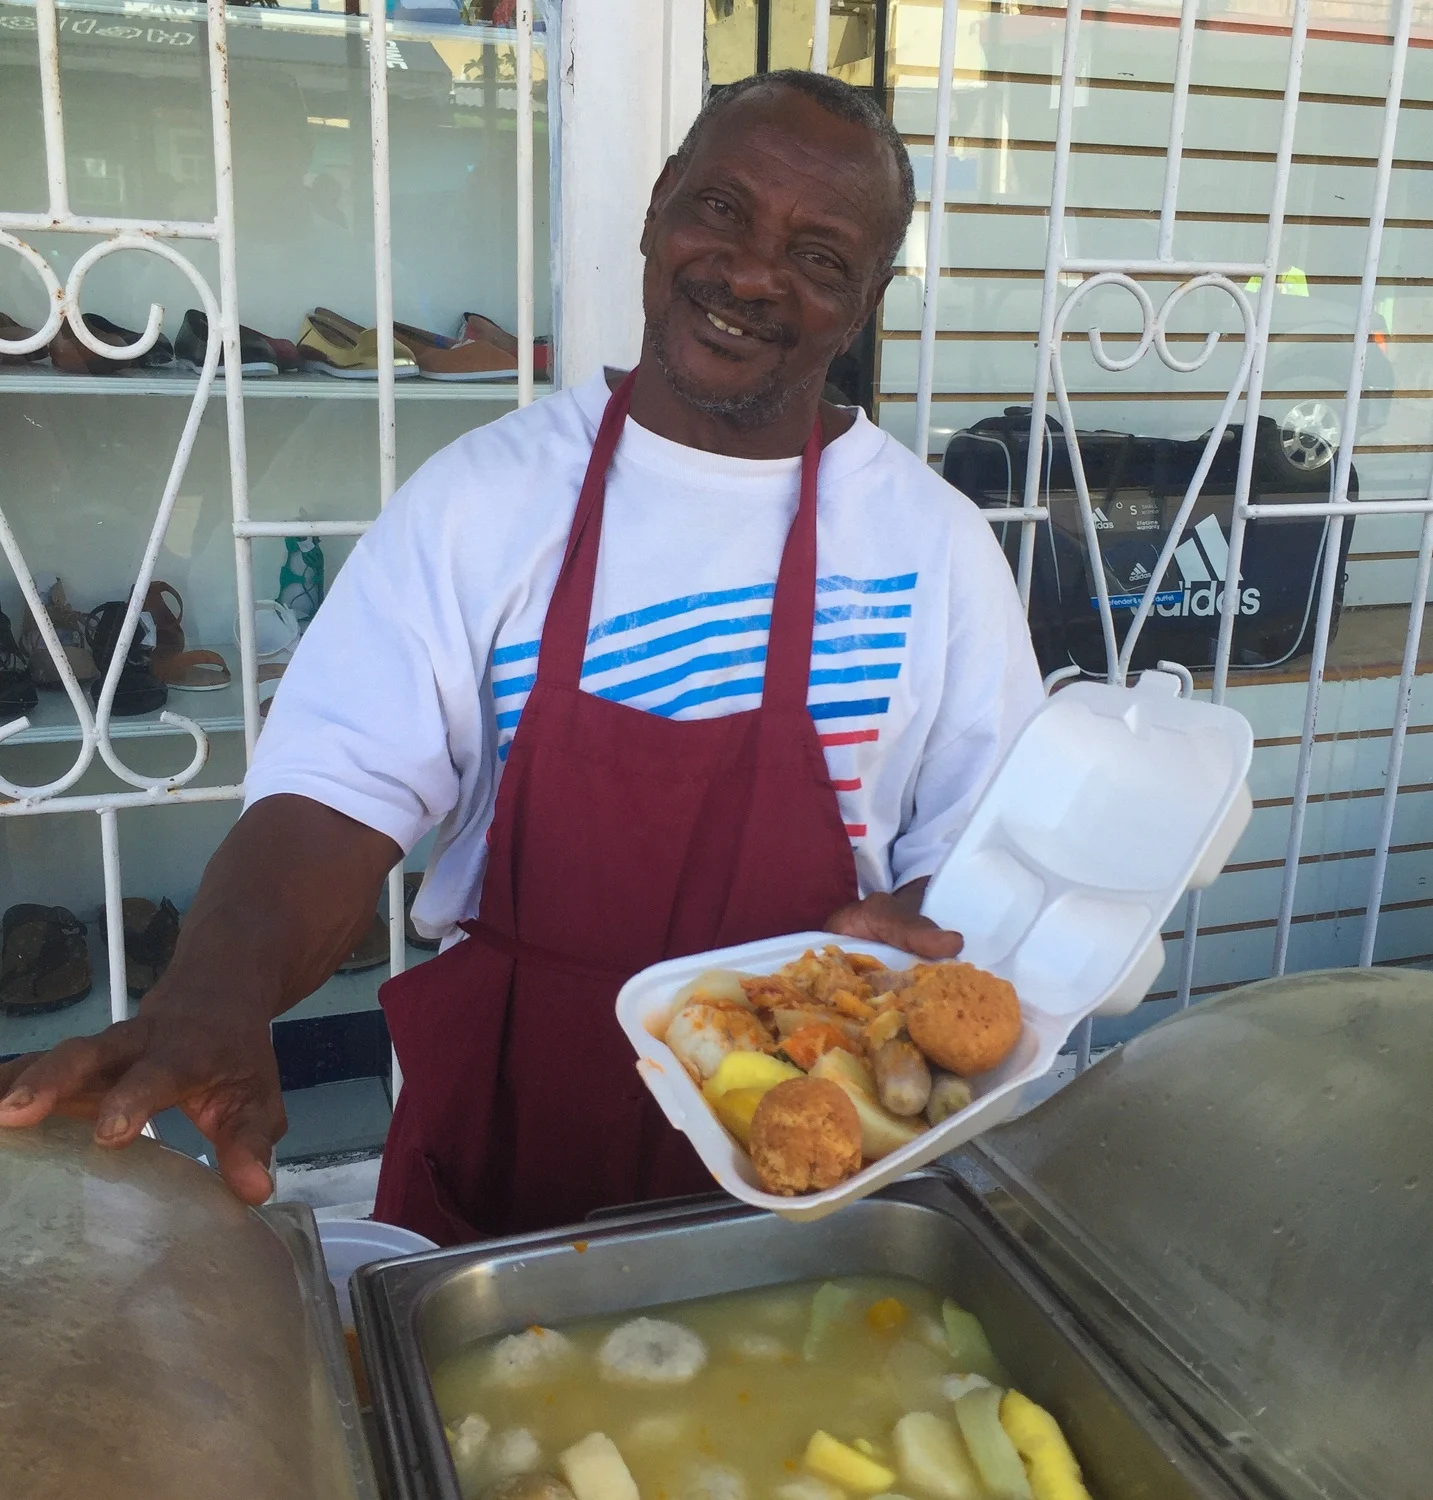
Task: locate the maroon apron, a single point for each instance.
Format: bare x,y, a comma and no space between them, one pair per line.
619,838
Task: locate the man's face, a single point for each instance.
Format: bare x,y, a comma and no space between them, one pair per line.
765,257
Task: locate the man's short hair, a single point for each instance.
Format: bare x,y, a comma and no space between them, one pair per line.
836,98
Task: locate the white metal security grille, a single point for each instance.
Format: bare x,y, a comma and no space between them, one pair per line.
166,239
1069,279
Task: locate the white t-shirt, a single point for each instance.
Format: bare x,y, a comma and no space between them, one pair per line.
405,693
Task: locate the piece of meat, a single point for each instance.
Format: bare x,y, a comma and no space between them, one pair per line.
805,1136
902,1077
962,1018
810,1042
704,1032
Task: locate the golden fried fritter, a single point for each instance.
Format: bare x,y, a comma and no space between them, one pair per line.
961,1017
805,1136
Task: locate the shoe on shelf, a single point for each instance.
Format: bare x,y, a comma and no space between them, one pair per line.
44,960
12,332
150,934
74,358
138,691
190,671
337,346
69,626
17,689
370,950
286,353
441,358
476,326
256,351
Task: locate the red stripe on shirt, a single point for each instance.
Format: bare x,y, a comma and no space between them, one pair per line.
851,737
856,830
848,786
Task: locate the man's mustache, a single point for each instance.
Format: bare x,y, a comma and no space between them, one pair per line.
716,297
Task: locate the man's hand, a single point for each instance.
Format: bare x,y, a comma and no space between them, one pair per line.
287,894
896,921
222,1075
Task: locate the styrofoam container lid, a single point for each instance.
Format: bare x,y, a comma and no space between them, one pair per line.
1109,805
350,1243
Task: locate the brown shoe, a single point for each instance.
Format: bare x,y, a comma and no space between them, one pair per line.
370,951
442,358
74,358
476,326
12,332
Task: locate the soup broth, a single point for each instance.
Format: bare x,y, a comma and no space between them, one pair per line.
849,1358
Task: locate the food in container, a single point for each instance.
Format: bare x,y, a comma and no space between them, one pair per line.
859,1387
827,1063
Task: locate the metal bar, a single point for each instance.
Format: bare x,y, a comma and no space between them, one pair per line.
1054,264
29,807
1187,947
1333,537
1303,510
162,229
1402,706
221,121
1017,513
1283,159
113,913
821,36
247,528
1084,1034
1179,107
56,162
525,203
382,246
1230,268
935,223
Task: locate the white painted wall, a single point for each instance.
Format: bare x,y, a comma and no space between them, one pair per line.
629,74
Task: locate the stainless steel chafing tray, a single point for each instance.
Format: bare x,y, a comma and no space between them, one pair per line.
411,1314
1208,1257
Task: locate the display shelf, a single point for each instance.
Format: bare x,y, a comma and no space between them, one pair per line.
341,995
43,381
221,711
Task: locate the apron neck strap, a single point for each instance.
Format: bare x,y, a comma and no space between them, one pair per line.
793,609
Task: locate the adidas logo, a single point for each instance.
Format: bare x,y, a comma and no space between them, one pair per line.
1103,523
1138,573
1202,560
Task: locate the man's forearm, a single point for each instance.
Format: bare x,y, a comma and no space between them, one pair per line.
286,896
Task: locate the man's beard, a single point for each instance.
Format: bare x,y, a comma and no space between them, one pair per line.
767,401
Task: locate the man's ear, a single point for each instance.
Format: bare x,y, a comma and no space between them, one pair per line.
661,191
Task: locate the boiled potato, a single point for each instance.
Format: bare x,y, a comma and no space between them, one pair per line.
827,1458
595,1471
715,984
747,1070
881,1131
843,1068
932,1457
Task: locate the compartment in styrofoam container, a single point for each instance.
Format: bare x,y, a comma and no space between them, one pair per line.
1109,804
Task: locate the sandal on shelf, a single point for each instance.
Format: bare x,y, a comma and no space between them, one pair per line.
196,671
412,884
138,691
45,962
370,950
150,933
16,333
17,689
69,626
268,673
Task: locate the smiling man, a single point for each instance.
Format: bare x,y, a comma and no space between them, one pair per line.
676,659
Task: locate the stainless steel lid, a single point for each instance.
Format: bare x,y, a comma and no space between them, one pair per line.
158,1339
1240,1199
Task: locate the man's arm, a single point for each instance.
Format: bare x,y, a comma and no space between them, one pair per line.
285,897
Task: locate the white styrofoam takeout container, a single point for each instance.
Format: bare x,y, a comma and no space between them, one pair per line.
1110,804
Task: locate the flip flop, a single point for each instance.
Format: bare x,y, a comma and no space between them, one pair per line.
412,884
196,671
150,933
370,950
44,962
